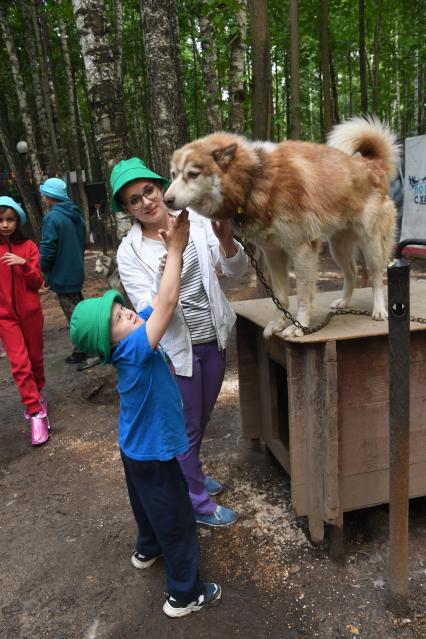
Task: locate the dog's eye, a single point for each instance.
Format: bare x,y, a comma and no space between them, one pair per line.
193,174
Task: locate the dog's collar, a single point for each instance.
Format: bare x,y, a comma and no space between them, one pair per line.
240,216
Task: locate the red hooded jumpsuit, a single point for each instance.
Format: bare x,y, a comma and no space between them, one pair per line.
21,320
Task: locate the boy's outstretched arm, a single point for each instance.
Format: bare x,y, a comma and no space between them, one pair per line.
176,239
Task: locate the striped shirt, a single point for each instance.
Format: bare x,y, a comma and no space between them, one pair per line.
194,300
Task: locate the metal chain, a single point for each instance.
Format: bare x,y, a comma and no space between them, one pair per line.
306,330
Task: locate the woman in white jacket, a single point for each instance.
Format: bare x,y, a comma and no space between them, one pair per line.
199,332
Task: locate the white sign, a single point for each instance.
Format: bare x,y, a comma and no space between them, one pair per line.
414,215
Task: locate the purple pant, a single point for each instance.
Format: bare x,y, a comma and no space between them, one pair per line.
199,394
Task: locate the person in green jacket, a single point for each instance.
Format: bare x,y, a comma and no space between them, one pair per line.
62,253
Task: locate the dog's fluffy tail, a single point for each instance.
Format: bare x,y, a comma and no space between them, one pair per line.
369,137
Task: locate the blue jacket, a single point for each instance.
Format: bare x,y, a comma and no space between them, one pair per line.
62,247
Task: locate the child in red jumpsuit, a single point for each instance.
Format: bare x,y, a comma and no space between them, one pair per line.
21,315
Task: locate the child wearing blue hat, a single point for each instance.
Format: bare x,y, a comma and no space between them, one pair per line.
151,428
62,251
21,315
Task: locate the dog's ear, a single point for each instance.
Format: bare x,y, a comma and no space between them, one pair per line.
222,157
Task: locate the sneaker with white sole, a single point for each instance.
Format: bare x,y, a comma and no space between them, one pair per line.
213,487
141,562
221,517
210,597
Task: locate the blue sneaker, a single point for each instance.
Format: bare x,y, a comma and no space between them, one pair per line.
221,517
211,596
213,487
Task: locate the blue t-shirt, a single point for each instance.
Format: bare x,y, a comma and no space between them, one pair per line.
151,424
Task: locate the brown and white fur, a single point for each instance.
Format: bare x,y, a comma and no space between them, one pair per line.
293,195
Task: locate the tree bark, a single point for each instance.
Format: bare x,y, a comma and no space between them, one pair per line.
103,91
325,68
169,126
210,72
237,84
262,75
362,58
295,70
376,63
73,126
334,93
7,144
24,107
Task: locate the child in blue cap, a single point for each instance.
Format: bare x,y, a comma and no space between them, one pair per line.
151,428
21,315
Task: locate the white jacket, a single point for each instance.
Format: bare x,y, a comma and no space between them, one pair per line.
140,277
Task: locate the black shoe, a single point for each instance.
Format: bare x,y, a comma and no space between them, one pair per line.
174,608
76,358
90,362
141,562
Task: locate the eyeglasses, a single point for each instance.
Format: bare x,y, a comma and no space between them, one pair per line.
136,201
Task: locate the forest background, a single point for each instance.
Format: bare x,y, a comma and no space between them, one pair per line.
86,83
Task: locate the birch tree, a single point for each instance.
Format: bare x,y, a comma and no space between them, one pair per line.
261,62
210,72
168,123
294,76
103,90
237,82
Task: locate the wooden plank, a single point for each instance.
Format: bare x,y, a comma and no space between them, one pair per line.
341,327
313,425
248,378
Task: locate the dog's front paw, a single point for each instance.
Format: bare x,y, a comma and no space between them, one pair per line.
274,327
339,303
292,331
379,314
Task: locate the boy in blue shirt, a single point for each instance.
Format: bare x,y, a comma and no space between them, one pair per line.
151,429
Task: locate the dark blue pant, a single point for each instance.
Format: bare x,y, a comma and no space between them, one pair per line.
159,498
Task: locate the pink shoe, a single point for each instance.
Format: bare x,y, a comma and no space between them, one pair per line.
43,409
39,429
43,404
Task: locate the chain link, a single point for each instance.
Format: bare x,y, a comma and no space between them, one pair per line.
306,330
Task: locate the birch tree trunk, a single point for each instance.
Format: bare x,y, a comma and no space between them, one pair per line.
294,73
51,93
118,44
22,99
262,76
376,63
73,125
210,72
325,68
103,90
169,126
362,58
237,85
334,93
36,63
7,144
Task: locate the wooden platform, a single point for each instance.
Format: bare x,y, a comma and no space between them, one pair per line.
320,402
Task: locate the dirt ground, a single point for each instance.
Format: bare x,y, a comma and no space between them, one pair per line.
67,532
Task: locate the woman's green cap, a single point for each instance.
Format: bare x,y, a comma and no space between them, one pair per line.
90,325
127,171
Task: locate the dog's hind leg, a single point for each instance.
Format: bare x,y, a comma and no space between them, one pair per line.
377,246
305,262
375,260
277,262
343,248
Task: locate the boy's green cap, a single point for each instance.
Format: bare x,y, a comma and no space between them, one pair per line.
126,171
90,325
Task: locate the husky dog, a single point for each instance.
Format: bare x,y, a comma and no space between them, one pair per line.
293,195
